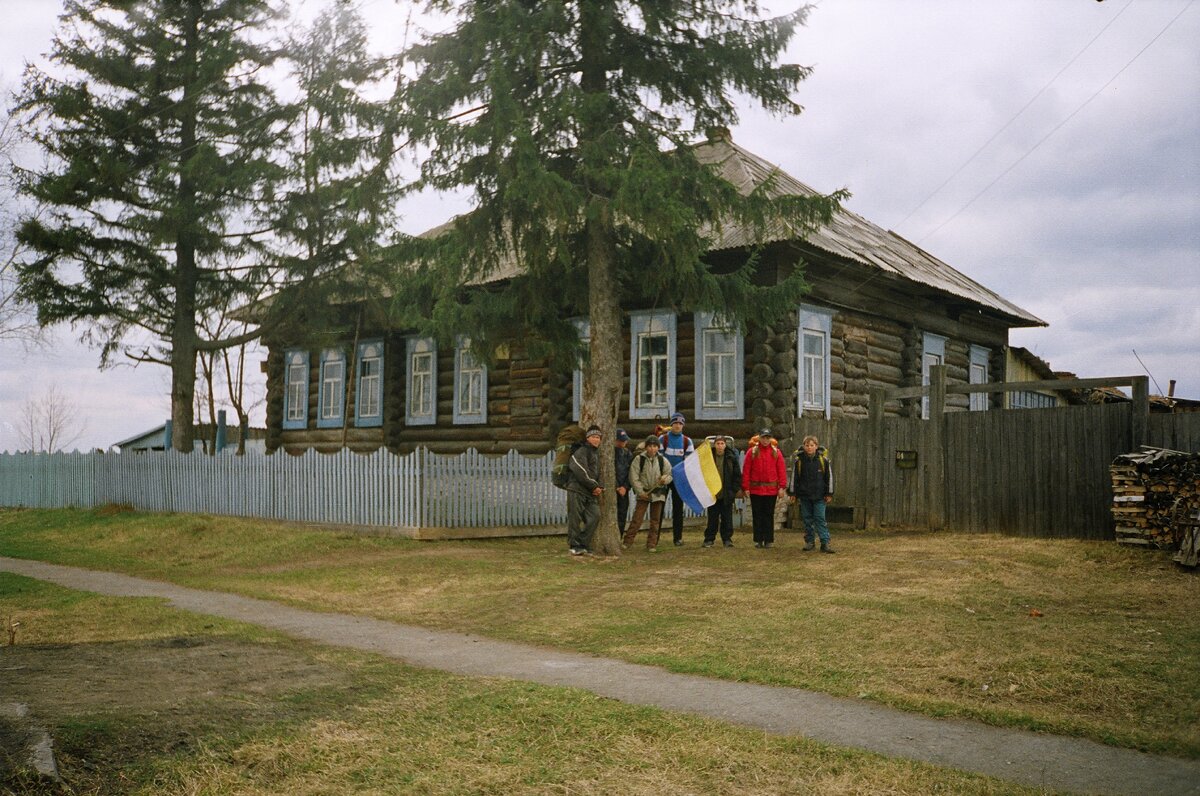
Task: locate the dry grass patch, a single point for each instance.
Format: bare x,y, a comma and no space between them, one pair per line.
937,623
225,709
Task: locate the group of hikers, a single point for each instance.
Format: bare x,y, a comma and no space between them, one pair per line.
762,474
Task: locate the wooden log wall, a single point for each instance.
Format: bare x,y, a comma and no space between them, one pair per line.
866,352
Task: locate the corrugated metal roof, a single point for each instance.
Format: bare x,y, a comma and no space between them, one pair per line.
847,235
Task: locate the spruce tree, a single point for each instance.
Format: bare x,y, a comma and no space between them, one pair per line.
574,124
339,195
158,127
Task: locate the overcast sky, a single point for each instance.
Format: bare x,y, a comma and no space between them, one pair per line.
1049,149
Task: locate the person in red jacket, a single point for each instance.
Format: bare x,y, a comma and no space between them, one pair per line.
764,478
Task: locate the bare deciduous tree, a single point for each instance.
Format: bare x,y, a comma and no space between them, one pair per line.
50,422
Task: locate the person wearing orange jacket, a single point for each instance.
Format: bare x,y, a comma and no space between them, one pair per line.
764,478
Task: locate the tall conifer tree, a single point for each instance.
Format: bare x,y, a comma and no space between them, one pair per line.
573,123
158,129
339,197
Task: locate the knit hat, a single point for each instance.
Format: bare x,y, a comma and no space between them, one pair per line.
651,440
677,418
593,431
622,436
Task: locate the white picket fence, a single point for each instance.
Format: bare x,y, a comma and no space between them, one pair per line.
417,490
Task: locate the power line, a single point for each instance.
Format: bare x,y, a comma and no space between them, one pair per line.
1057,127
1014,117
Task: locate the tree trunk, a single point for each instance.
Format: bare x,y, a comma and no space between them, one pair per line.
602,387
183,327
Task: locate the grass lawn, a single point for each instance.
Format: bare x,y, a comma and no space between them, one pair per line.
143,699
941,623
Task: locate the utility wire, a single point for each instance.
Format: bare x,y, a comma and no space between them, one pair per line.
1148,373
1008,124
1057,127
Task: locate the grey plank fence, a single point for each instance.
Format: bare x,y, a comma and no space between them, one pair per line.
417,490
420,490
1038,472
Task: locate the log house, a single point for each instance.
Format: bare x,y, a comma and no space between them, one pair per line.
880,312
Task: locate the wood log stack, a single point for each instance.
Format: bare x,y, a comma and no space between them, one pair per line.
1156,501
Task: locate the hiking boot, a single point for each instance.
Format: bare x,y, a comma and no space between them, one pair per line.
706,544
827,549
809,546
728,543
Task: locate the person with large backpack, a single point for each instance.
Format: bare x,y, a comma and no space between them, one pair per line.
676,446
649,477
570,438
583,493
764,478
812,485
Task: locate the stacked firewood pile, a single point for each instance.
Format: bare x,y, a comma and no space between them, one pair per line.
1156,501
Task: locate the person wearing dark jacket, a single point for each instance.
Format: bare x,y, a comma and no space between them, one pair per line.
624,458
583,494
720,514
812,485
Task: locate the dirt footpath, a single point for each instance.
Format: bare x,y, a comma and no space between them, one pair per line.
1030,758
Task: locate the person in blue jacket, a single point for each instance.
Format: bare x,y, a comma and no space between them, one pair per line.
675,446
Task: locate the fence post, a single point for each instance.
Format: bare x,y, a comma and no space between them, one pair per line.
935,437
874,489
1140,413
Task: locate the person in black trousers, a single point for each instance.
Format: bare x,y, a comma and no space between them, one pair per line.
720,514
624,457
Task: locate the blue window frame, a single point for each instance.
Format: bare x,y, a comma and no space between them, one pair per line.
295,389
979,374
651,365
421,383
583,327
368,392
719,369
331,402
813,333
933,352
470,386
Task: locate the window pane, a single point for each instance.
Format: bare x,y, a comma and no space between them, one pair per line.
660,382
421,400
645,382
814,367
297,375
368,388
652,369
712,380
728,380
334,373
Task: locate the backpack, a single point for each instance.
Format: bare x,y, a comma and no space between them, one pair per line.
822,459
775,452
569,440
639,461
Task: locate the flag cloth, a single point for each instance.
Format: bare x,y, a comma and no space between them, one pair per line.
697,480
